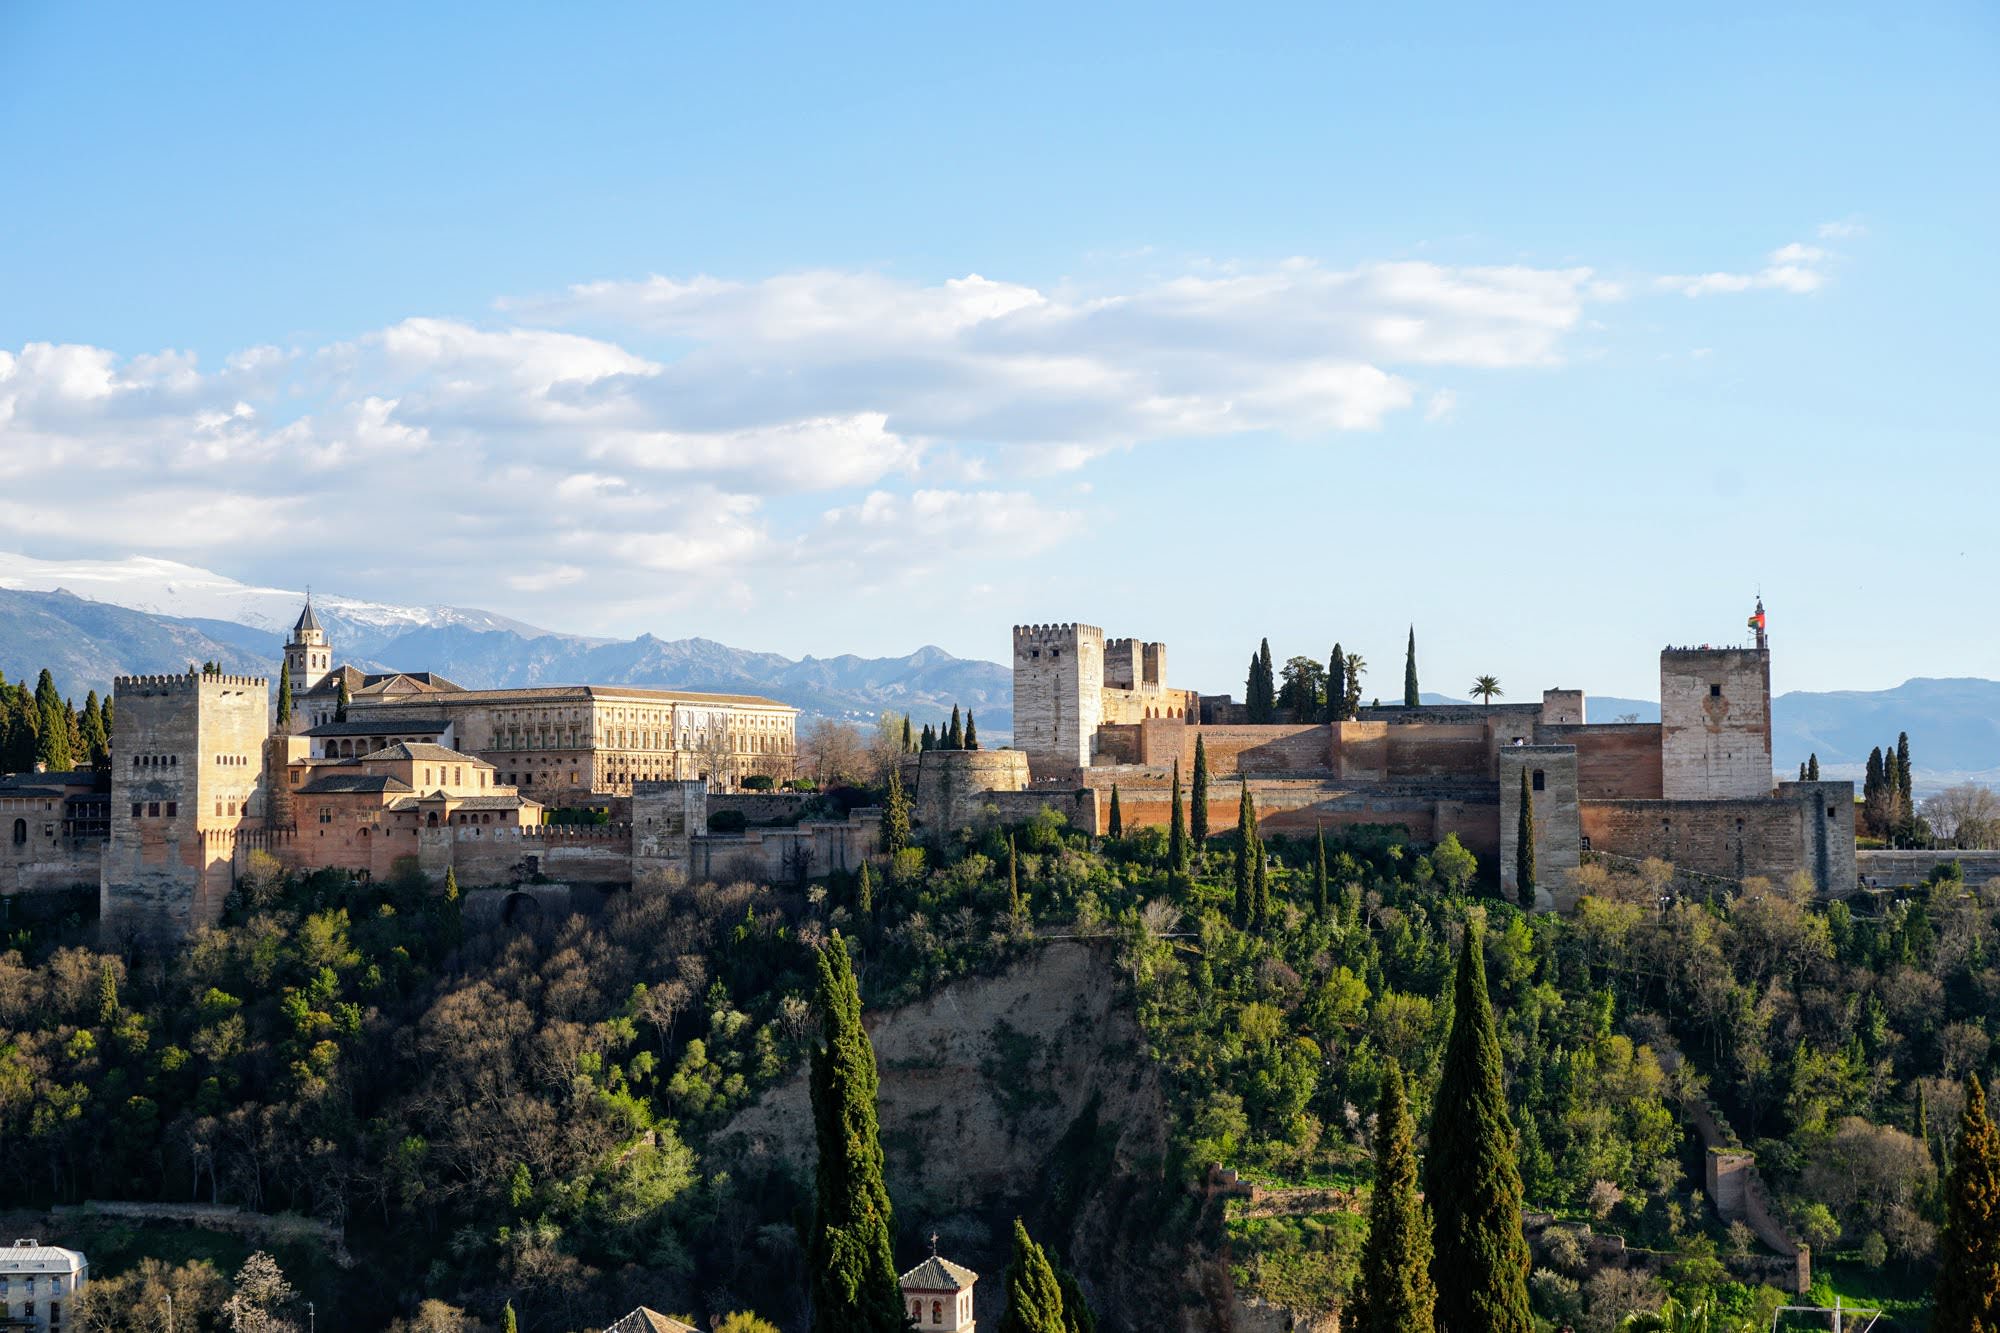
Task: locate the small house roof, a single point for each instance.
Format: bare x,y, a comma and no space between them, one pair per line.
937,1274
31,1256
643,1320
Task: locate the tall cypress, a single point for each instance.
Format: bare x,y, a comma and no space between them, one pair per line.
1802,770
1014,904
1393,1292
1410,671
1177,835
52,727
1246,839
929,739
1812,767
285,697
1473,1185
1524,846
1267,682
96,738
1967,1296
1336,686
1319,873
1034,1298
971,731
864,897
954,736
895,814
1253,705
909,742
853,1272
1117,815
1260,888
1198,797
340,703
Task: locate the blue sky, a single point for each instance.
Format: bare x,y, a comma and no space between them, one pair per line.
1558,334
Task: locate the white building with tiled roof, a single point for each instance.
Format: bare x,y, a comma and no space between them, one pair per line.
938,1294
39,1284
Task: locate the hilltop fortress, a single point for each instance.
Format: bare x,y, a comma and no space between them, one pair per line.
1695,788
375,774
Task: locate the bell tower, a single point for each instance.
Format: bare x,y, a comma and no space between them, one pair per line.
307,653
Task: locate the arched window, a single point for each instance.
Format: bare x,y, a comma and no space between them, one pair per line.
20,831
937,1312
432,819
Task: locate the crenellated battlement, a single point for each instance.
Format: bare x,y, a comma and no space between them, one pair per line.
1056,631
184,681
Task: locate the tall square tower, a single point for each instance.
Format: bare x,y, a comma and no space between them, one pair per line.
1058,694
187,775
1715,723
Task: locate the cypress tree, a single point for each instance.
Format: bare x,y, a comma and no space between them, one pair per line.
1336,686
509,1322
340,704
1034,1300
1319,873
52,727
1267,682
1967,1296
450,884
864,896
971,731
929,741
853,1271
1903,763
909,744
895,814
285,701
1812,767
954,738
1013,879
1246,834
1260,889
1802,770
96,739
1871,781
1117,815
1177,836
1077,1314
1253,708
1472,1183
1410,671
1393,1292
1524,846
1198,798
1353,686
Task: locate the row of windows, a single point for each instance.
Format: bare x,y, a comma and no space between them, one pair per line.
156,761
233,760
151,809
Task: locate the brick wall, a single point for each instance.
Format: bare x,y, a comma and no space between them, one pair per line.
1807,826
1614,761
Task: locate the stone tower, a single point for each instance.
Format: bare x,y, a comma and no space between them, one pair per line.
1058,694
1715,720
938,1295
307,652
187,776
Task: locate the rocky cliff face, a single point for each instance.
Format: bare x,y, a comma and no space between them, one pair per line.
1025,1094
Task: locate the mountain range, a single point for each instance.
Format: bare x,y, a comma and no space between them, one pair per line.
88,621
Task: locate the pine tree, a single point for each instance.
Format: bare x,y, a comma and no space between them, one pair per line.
1117,815
1177,834
96,739
852,1269
1246,849
971,731
1524,846
895,814
954,737
1034,1300
1812,767
1014,903
1473,1186
285,697
1198,797
52,750
1393,1292
1967,1296
340,704
1336,687
1410,671
1319,874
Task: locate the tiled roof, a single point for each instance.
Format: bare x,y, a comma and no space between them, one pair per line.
10,792
307,620
352,782
31,1256
368,726
610,693
643,1320
405,751
488,802
935,1274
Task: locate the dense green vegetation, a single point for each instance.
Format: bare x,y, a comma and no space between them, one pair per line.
523,1113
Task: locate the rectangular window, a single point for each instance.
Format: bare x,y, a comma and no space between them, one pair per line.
152,809
1715,691
137,809
218,809
173,808
1541,779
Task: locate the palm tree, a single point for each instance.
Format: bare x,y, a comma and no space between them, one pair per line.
1674,1317
1487,688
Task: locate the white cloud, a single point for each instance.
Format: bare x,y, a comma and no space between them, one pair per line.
1443,402
1795,268
1837,231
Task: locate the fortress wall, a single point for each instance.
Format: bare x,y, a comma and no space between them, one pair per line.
1276,748
1422,750
760,807
1085,808
1726,838
1614,761
951,785
1715,723
1896,870
1557,828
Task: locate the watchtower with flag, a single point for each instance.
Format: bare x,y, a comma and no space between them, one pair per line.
1715,720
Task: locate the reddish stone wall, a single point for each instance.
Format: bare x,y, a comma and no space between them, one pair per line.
1614,761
